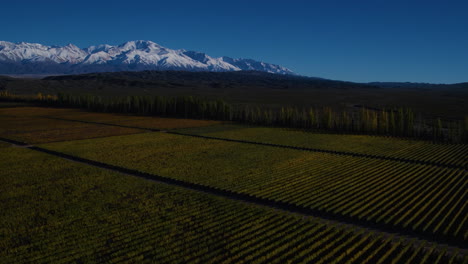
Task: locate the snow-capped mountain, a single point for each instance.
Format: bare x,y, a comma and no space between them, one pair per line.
32,58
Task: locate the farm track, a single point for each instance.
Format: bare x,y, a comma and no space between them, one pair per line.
342,153
101,123
386,230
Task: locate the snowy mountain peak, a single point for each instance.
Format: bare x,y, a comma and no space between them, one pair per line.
72,46
31,58
139,44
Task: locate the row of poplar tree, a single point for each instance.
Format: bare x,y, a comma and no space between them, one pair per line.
392,122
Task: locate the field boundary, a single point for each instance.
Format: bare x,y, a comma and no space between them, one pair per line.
105,124
14,142
442,242
333,152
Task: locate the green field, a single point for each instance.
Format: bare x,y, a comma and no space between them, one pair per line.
422,198
58,211
451,154
55,210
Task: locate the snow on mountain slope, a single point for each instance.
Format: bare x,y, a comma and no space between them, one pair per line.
37,52
19,58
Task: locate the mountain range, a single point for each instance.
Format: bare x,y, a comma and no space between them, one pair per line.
33,58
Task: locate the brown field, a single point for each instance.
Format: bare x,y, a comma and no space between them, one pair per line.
4,145
38,125
29,111
137,121
41,130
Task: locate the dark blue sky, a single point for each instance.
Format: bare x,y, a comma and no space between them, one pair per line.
355,40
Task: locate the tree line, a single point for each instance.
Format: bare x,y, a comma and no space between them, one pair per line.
399,122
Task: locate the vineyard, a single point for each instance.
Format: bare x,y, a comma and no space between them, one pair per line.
417,198
445,154
260,203
136,121
95,216
39,125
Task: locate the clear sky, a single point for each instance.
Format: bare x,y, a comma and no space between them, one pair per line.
354,40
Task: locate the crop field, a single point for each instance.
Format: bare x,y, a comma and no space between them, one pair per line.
39,125
450,154
12,104
415,197
66,200
54,210
31,111
117,119
140,121
40,130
